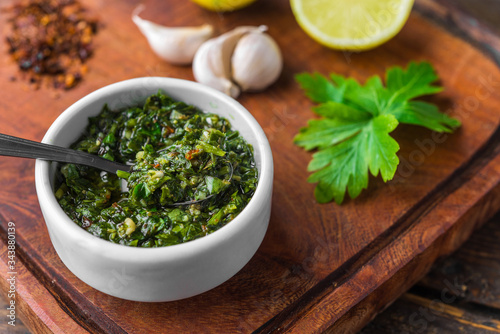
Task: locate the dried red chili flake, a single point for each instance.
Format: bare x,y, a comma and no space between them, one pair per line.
51,38
189,154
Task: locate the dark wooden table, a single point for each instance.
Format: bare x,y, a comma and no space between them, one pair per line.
462,293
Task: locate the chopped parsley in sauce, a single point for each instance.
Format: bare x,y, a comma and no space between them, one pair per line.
180,154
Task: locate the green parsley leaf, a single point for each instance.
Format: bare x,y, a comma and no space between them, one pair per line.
352,136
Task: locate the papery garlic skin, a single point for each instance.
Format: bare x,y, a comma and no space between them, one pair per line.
176,45
212,61
256,62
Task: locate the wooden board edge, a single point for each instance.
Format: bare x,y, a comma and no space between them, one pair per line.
461,24
61,293
363,312
27,307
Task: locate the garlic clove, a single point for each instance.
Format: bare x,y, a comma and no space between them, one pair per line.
256,62
212,61
176,45
209,69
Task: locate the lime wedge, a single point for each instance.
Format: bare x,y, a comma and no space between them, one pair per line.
351,24
223,5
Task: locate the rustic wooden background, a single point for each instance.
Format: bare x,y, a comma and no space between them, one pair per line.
460,295
471,276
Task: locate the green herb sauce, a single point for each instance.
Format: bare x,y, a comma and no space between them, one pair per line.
180,153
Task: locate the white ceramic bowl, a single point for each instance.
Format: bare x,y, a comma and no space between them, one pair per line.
167,273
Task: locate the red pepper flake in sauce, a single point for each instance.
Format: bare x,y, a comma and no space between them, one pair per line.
189,154
51,39
167,131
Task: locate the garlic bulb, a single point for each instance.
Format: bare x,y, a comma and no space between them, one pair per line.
177,45
256,61
242,59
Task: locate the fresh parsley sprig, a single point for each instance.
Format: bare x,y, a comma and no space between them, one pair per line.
352,135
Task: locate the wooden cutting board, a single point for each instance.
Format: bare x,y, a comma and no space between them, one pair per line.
321,267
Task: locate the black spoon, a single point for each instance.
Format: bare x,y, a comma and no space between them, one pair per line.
23,148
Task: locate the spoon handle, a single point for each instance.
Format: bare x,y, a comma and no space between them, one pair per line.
23,148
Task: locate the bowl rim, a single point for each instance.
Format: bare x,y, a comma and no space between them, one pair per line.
174,252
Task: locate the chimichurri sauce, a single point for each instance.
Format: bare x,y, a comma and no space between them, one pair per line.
180,153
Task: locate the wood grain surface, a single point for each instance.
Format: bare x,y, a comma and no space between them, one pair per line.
460,295
320,267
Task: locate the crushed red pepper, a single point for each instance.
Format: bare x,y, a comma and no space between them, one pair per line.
189,155
51,40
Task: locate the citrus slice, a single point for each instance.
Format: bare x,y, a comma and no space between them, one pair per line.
351,24
223,5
